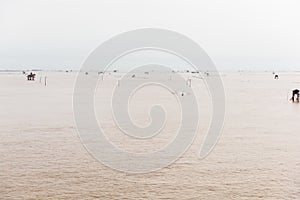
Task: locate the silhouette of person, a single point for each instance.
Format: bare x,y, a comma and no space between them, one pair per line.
296,94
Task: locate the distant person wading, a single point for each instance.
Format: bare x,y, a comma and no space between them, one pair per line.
295,95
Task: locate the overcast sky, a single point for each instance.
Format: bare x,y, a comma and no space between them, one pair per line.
237,34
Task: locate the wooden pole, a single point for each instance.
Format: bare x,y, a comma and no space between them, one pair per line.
189,82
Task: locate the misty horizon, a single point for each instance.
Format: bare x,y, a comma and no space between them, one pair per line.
59,35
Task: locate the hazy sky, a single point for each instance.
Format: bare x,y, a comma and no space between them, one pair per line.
237,34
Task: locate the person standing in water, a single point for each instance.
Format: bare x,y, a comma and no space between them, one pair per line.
296,94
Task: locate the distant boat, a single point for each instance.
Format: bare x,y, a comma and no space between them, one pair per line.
31,76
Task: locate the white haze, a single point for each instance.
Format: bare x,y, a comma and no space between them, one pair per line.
237,35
